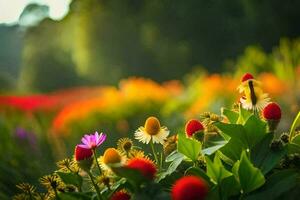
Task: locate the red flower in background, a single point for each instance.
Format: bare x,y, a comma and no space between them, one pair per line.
120,195
247,76
189,188
29,103
193,126
145,166
272,111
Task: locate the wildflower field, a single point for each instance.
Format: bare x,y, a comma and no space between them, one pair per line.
149,100
211,137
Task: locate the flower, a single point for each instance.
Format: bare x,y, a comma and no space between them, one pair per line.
92,141
247,76
272,112
124,145
170,145
253,96
145,166
67,165
84,158
135,153
121,195
111,156
82,153
152,131
189,188
51,182
193,126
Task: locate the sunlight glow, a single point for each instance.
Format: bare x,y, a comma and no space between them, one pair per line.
10,10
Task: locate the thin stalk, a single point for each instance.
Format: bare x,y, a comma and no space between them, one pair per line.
30,195
161,160
95,157
56,195
95,185
153,151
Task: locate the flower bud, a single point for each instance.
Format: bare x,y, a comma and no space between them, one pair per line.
285,137
272,114
84,158
247,76
146,167
193,127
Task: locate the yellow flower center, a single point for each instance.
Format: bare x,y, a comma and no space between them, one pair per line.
127,145
152,126
111,156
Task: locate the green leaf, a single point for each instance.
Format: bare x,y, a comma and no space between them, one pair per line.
277,184
255,130
189,147
229,187
263,157
232,116
175,158
250,177
237,142
216,145
242,137
215,170
243,115
295,124
294,145
70,178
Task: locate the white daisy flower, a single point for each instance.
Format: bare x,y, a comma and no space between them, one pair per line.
152,130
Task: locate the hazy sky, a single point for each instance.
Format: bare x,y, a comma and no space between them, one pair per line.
10,10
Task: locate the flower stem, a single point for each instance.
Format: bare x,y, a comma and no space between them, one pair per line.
56,194
95,157
95,186
153,151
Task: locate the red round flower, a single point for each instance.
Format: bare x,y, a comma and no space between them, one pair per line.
189,188
145,166
272,112
247,76
82,153
193,126
120,195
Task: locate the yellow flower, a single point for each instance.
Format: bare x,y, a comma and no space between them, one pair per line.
124,145
111,156
254,98
135,153
152,131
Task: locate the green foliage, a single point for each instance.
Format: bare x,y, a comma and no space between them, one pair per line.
232,116
71,178
188,147
248,176
294,126
242,137
264,157
215,170
278,185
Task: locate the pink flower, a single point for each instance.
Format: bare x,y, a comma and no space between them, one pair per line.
92,141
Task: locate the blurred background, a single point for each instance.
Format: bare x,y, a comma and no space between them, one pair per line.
70,67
